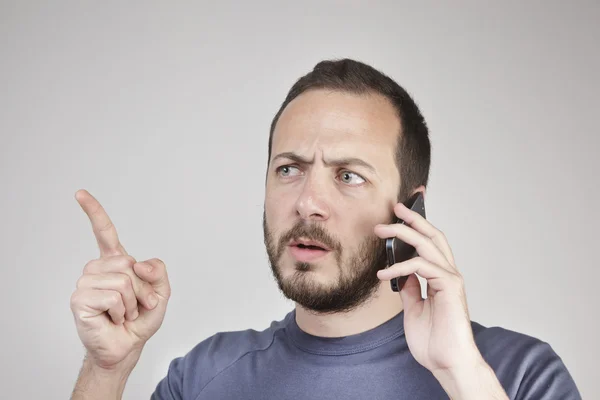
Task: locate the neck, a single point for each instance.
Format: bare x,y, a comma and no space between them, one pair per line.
383,305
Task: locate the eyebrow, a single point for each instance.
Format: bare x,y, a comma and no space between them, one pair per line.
340,162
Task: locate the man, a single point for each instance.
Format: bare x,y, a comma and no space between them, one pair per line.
347,148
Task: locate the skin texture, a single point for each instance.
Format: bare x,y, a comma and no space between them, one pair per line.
331,178
336,204
349,206
118,305
339,204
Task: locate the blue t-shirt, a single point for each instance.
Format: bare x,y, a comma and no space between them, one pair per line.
285,363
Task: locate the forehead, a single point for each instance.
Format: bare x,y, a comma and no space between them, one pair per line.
339,123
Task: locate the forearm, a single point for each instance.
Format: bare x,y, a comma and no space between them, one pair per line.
95,383
479,382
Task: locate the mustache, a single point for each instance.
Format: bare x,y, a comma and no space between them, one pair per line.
311,232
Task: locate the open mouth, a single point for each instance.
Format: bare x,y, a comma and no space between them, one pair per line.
305,250
310,247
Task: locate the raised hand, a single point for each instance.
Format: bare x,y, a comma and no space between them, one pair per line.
119,303
438,328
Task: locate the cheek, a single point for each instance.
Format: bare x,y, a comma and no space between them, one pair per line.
362,223
279,206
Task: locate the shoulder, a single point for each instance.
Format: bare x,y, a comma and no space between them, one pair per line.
527,366
497,340
189,374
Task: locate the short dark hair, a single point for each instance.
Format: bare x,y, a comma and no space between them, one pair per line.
413,149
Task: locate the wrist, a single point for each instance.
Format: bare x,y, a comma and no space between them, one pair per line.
103,382
476,380
122,368
113,373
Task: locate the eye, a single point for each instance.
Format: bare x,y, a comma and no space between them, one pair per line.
351,178
287,170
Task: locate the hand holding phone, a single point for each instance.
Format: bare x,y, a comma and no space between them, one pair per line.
399,251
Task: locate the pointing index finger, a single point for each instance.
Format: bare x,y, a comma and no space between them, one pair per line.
104,230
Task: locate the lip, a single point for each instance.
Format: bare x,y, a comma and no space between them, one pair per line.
304,242
307,255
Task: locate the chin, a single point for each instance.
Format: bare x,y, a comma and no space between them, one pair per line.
309,276
319,270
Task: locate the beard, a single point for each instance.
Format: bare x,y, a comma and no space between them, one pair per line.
357,270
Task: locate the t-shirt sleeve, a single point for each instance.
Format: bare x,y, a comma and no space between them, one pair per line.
527,367
546,377
188,372
171,386
187,376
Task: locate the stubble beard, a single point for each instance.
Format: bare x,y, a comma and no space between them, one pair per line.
357,270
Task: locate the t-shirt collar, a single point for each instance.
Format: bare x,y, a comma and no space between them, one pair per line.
364,341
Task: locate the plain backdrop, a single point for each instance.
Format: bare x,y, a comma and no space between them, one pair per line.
162,109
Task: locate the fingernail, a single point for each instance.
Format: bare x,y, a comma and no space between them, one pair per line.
152,300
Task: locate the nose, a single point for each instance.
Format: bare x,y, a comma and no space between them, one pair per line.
312,204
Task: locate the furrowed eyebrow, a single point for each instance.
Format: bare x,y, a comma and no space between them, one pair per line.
341,162
293,157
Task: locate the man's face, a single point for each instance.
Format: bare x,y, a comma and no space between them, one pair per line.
331,178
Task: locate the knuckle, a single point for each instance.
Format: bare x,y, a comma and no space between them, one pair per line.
167,288
81,281
108,225
419,261
89,266
114,299
428,241
124,262
458,280
74,301
123,282
78,299
129,260
119,263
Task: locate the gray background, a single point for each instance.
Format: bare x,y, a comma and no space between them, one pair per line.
162,109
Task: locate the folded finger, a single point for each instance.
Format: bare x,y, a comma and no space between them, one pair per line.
422,244
91,303
438,278
113,281
143,290
426,228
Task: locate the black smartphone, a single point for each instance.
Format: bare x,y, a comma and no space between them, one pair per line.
399,251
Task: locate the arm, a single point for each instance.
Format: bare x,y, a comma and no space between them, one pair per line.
118,305
476,382
438,328
530,369
96,383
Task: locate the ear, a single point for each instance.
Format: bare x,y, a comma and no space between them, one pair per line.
421,189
